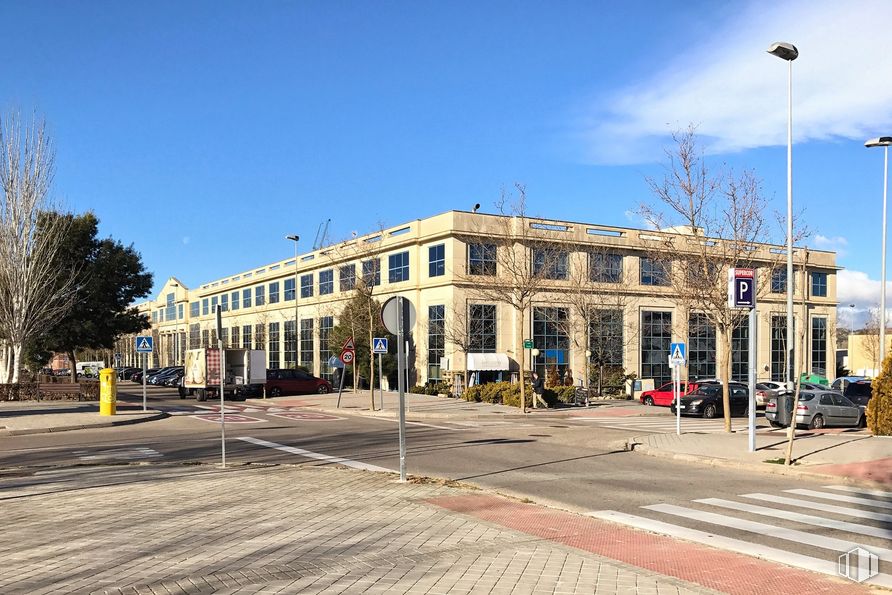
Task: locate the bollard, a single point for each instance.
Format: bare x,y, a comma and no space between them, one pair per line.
108,392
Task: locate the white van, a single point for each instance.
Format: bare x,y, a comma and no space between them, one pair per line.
89,369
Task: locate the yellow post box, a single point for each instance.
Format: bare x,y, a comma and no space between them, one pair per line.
108,392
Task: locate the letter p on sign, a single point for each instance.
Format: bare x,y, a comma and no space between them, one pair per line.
741,288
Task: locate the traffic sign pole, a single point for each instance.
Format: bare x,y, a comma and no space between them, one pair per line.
380,381
401,382
145,357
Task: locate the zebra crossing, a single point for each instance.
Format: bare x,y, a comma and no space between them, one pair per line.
817,530
660,424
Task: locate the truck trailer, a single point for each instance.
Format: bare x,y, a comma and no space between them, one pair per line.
245,370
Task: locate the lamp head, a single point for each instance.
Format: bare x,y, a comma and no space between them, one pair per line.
883,141
784,51
292,238
476,208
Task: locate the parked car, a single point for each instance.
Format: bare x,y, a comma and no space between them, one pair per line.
159,377
663,395
842,382
820,408
137,376
765,391
173,379
284,382
706,401
859,393
126,373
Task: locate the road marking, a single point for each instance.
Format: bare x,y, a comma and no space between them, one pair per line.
315,455
853,512
841,498
829,567
800,518
880,493
417,423
128,453
231,418
657,425
827,543
305,416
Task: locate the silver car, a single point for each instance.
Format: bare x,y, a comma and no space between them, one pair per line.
765,391
818,409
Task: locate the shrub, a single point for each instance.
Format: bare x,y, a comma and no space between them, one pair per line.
879,408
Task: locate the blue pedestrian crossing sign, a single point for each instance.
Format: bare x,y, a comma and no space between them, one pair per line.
379,345
145,344
677,354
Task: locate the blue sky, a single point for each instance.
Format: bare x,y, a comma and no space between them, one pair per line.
204,132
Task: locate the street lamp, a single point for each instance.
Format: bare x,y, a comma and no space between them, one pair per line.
176,327
788,52
296,240
851,319
883,141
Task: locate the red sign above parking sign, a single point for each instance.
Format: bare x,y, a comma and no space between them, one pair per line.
742,288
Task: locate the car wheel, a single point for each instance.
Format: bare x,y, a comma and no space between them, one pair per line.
201,395
862,422
648,400
323,389
275,391
817,422
775,424
710,411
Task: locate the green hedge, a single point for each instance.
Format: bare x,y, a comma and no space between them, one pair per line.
433,388
507,393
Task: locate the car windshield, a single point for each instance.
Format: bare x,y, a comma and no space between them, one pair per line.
858,389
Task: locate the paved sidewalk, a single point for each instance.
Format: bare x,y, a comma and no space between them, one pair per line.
155,529
855,457
57,416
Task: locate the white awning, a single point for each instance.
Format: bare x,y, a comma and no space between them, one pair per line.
488,361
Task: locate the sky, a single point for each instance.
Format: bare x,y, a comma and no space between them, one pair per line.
203,133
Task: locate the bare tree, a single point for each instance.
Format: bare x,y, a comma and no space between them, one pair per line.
28,241
603,312
707,223
519,256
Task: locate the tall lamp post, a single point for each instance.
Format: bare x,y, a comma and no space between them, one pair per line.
176,327
788,52
296,240
883,141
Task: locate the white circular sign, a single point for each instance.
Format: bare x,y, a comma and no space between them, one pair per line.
347,357
390,315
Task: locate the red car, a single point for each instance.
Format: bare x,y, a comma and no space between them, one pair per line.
293,382
663,396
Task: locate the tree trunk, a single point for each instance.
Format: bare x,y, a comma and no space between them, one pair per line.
724,339
4,364
16,361
72,362
518,350
372,358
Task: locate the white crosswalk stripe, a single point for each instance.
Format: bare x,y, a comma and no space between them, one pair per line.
661,425
836,535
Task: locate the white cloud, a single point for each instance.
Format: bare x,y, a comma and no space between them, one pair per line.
186,240
736,93
836,244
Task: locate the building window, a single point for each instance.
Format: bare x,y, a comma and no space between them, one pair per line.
482,328
246,298
289,290
654,272
819,284
224,302
214,304
180,311
819,346
193,309
306,285
259,336
234,338
398,267
605,332
246,336
550,263
550,338
605,268
779,280
436,260
436,341
348,277
205,307
235,301
290,345
701,347
274,293
224,337
273,343
326,282
259,295
194,336
482,259
656,335
170,307
205,338
778,348
306,344
326,323
371,272
740,353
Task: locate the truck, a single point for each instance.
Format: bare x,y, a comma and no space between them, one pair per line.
245,371
89,369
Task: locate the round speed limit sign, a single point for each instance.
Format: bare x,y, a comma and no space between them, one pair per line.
347,357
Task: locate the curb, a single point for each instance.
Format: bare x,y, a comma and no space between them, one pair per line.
633,445
123,422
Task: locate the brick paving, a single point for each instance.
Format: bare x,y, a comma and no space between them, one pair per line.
160,529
